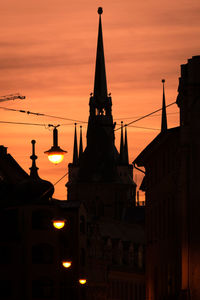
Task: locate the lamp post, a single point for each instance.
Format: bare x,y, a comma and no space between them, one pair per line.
55,153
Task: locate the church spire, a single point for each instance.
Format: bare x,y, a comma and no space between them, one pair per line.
164,115
126,159
75,152
100,84
33,157
80,144
122,144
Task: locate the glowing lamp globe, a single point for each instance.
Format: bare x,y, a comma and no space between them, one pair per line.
82,281
58,223
55,153
55,157
66,264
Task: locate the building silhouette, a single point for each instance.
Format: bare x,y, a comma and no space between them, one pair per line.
31,250
104,231
171,183
102,179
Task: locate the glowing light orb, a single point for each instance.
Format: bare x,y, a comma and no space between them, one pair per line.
55,158
82,281
66,264
58,224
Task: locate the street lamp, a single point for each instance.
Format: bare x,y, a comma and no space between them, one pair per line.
55,153
58,223
66,264
82,281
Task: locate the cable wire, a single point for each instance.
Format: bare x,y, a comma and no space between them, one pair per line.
79,121
23,123
41,114
54,185
145,116
172,113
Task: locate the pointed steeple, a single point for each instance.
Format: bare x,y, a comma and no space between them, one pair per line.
122,145
80,144
75,151
100,84
33,157
126,159
164,115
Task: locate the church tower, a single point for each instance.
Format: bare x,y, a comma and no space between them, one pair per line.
102,177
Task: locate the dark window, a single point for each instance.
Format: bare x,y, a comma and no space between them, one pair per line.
5,289
5,255
9,224
42,254
82,224
136,293
101,209
82,257
136,255
41,219
43,288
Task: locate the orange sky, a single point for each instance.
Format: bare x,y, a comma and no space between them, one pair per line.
47,53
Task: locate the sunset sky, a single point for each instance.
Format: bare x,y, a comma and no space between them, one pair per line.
48,51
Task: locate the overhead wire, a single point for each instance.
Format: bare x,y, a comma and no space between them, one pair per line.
79,121
41,114
54,185
23,123
158,115
56,117
145,116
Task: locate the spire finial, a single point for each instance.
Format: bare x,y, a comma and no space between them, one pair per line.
80,144
122,144
100,83
126,159
100,10
33,157
164,115
75,152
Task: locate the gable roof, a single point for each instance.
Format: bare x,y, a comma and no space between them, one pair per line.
161,139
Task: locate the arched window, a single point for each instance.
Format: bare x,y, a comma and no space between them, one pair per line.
41,219
140,257
131,254
82,224
108,250
42,254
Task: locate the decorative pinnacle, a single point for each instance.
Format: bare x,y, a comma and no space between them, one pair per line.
100,10
163,80
33,157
